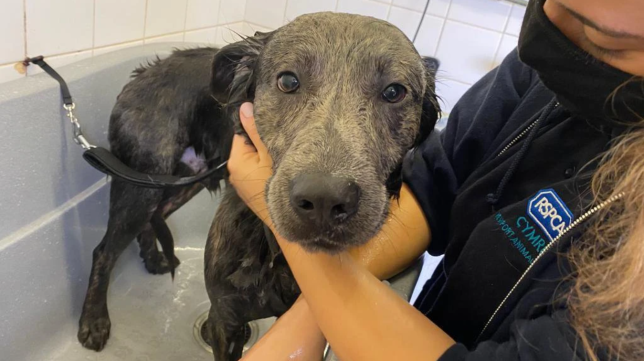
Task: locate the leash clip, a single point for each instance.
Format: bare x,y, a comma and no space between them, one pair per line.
78,133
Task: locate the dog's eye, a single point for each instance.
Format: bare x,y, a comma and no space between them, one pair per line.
394,93
287,82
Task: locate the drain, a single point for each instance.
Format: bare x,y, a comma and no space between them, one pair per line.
251,333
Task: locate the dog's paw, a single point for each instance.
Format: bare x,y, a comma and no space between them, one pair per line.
158,264
205,335
94,332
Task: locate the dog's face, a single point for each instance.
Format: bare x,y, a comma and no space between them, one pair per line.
339,99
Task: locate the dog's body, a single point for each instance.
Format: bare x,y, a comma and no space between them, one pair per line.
163,119
339,99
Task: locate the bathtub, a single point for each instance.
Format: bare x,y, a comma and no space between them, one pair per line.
53,212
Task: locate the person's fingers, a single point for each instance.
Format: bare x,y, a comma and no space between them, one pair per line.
248,122
240,147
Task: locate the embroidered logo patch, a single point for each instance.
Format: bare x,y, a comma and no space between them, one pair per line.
549,212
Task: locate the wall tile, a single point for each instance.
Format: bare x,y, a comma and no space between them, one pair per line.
438,7
269,13
490,14
250,29
171,38
60,61
60,26
295,8
417,5
429,35
227,34
202,13
435,7
508,43
12,46
405,20
109,49
466,52
8,73
231,11
363,7
118,21
449,92
206,36
516,20
165,16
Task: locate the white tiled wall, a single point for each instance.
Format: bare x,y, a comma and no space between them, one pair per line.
468,36
66,31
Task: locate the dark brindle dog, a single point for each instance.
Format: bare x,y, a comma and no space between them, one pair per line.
339,99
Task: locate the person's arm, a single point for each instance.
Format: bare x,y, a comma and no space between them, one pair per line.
404,237
362,318
294,337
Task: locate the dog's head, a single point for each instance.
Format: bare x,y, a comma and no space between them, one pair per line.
339,99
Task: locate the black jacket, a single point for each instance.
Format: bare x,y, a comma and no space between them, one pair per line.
500,287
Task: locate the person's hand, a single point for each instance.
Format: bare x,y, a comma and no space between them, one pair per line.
250,165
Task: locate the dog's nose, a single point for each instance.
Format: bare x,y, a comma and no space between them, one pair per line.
323,200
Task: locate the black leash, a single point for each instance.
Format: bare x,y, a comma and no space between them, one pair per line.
101,158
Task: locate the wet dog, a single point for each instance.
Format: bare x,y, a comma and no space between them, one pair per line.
339,100
165,121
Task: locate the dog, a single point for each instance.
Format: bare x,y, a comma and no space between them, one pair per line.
165,121
339,100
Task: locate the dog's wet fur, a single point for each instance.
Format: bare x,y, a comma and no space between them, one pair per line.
335,127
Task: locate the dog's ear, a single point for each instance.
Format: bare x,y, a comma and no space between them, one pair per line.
233,74
431,109
428,119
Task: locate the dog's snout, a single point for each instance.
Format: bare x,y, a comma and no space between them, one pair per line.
323,200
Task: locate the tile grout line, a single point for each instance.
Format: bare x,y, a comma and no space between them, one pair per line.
284,19
216,26
507,20
245,8
24,34
93,27
498,45
337,4
217,30
256,24
185,22
119,44
145,20
24,27
420,23
440,34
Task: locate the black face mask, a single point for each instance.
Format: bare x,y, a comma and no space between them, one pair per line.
584,85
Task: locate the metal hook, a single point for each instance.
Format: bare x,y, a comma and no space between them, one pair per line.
78,133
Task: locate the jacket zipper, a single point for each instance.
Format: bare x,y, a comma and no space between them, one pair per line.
521,135
574,224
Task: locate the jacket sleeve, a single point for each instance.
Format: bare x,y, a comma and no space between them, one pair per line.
547,338
435,170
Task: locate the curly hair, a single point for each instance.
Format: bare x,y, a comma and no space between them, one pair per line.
607,299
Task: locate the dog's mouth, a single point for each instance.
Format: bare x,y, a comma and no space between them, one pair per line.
321,244
333,237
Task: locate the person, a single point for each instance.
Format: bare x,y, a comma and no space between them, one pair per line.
534,194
